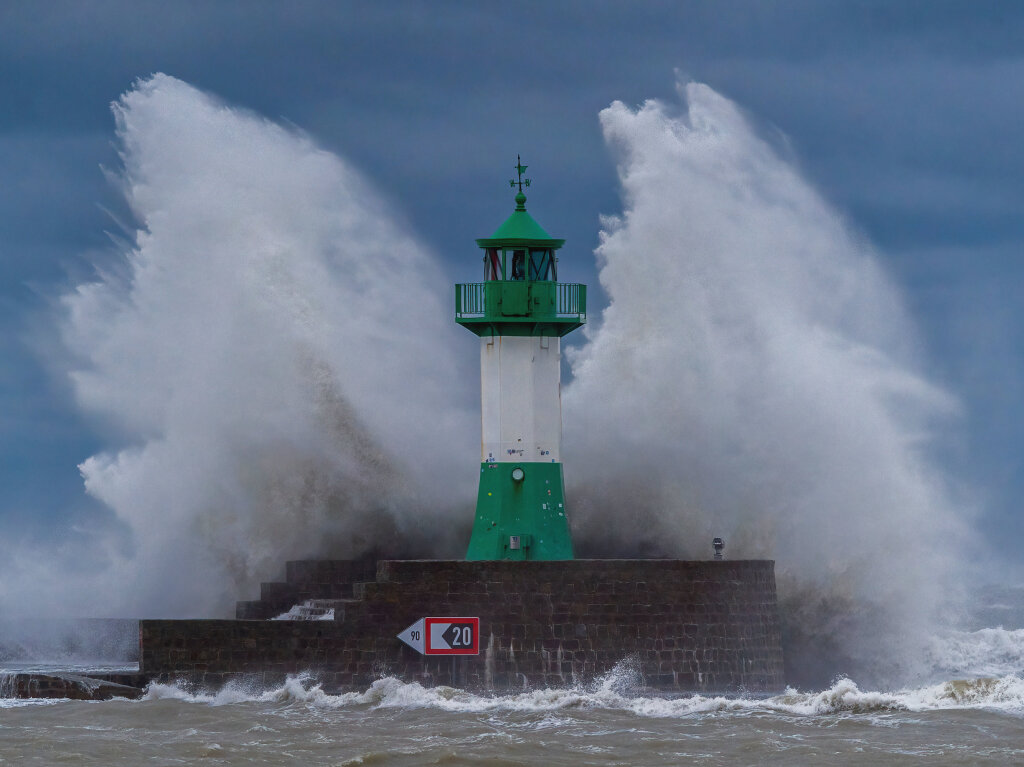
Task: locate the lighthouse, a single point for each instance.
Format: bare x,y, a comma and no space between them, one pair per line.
520,312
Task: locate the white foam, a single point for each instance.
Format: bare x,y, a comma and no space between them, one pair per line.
24,702
299,688
302,612
612,693
989,652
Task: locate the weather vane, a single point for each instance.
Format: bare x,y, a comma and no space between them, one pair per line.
520,169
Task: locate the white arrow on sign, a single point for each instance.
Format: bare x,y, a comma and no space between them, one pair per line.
413,636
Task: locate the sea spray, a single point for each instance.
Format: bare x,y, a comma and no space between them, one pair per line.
989,652
65,642
274,355
755,377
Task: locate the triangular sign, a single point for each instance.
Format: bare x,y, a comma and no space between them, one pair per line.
413,636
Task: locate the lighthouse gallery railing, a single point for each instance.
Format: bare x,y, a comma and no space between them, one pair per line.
531,300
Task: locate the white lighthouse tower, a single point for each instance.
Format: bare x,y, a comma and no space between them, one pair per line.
520,312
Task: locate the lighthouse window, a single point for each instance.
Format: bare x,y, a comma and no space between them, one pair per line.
518,265
492,265
542,265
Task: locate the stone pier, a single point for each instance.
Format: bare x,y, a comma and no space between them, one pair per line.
680,626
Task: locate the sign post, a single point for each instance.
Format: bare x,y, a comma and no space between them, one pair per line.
444,636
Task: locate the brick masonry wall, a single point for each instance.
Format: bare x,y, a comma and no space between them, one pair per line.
682,626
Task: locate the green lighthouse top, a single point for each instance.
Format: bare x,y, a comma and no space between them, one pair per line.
520,294
520,228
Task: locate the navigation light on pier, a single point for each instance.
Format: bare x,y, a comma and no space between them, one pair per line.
520,312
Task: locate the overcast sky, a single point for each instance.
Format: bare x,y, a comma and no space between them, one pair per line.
906,115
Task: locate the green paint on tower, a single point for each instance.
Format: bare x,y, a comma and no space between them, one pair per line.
520,513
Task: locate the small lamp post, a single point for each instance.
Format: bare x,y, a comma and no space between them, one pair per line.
719,544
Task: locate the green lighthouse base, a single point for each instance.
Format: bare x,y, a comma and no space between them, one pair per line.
520,513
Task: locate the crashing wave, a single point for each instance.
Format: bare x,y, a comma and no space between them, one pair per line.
613,692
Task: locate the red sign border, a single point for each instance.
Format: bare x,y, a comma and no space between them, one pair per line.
428,650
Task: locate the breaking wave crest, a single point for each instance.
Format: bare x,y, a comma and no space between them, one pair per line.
989,652
843,697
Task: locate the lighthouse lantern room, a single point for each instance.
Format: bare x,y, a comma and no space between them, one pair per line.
520,312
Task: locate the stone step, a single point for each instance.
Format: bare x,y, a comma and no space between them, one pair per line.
251,610
316,610
308,581
327,574
330,604
359,590
276,591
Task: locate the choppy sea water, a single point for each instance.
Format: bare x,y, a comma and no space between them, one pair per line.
971,712
393,723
